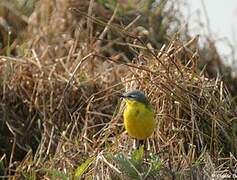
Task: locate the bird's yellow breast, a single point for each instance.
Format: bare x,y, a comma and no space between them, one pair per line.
139,120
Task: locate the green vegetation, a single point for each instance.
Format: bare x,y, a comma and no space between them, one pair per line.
62,69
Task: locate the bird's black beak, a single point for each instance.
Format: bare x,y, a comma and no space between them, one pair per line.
122,96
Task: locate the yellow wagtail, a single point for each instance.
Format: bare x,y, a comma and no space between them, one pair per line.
139,117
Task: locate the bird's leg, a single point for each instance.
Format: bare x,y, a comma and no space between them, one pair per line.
141,142
138,143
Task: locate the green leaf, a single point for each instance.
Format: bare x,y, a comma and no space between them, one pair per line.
200,159
138,154
56,174
83,167
59,174
127,167
155,166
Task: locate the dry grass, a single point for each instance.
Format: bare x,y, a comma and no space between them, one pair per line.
60,103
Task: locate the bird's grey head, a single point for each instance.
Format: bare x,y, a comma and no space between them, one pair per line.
136,95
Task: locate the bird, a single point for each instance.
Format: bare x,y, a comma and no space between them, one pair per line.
138,115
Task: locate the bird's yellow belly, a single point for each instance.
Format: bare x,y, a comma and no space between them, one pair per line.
139,121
